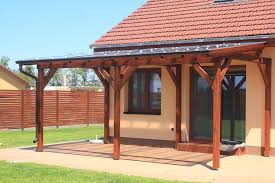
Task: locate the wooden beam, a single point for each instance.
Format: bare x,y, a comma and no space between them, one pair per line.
262,69
100,77
106,104
106,113
131,61
226,52
49,76
217,90
216,86
265,70
172,74
178,103
107,76
116,113
129,70
216,118
39,110
203,73
225,67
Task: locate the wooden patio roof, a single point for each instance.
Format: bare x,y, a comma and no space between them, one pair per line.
220,55
247,51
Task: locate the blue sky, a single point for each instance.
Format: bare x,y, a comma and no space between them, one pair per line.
36,28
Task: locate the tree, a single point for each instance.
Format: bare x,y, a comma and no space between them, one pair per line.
5,61
57,78
82,77
73,77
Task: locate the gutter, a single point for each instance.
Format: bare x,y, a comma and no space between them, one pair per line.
114,47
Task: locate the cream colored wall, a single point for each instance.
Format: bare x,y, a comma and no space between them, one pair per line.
159,127
149,126
9,83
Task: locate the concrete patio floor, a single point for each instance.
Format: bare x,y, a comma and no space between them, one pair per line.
154,162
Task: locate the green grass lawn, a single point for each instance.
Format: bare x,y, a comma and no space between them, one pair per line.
29,173
17,138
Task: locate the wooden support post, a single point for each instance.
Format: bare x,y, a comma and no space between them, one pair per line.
216,119
265,70
116,113
106,113
106,85
117,82
216,87
178,103
268,111
39,111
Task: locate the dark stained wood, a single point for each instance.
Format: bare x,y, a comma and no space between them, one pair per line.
128,72
178,103
225,52
216,118
100,77
106,75
216,86
172,74
106,113
106,104
203,73
133,61
39,112
116,113
48,76
265,70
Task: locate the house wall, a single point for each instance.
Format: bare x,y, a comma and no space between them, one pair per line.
159,126
10,83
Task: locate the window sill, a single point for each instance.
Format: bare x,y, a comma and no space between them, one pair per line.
144,113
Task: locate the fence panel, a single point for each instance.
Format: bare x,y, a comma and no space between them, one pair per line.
17,108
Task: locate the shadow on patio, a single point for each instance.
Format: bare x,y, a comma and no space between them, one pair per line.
133,153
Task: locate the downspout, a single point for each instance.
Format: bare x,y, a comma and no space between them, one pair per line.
36,83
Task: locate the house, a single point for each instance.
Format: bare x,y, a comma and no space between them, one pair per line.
10,81
193,74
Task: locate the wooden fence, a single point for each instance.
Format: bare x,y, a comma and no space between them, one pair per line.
17,108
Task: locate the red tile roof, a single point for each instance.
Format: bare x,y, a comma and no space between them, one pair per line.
173,20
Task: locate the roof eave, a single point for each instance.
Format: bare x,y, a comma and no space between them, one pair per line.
99,48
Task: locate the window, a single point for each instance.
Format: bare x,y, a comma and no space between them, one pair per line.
145,92
233,122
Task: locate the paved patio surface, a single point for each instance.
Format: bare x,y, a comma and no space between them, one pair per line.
163,163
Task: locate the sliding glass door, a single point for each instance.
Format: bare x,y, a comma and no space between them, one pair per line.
233,106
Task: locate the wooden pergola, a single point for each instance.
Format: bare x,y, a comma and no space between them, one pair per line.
114,68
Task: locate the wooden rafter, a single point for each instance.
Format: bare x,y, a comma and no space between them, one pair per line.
225,67
172,74
203,73
136,61
106,76
128,72
262,69
48,76
100,77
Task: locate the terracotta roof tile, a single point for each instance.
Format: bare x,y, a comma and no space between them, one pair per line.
172,20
